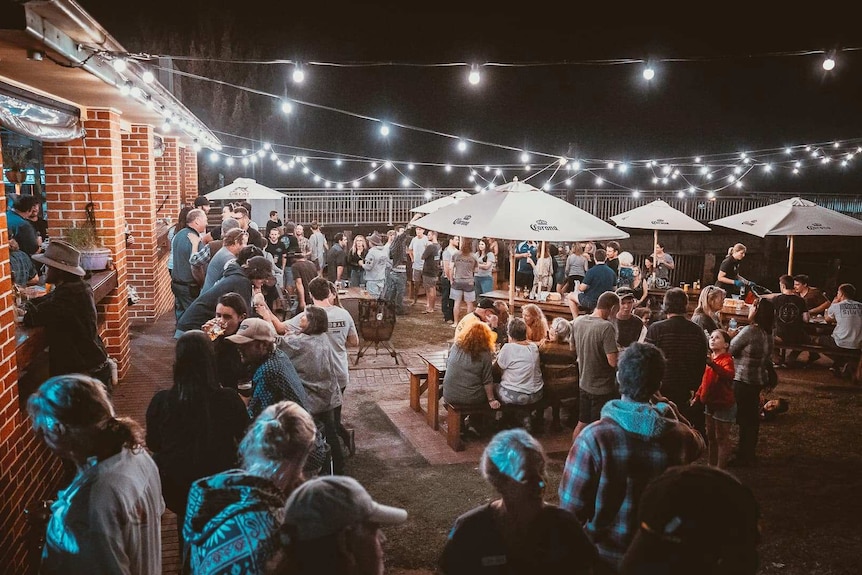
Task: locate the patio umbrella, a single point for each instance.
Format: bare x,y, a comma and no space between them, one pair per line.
793,217
658,215
518,211
435,205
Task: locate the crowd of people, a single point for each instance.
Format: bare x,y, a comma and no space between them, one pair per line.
248,446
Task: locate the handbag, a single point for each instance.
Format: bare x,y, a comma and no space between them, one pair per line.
770,376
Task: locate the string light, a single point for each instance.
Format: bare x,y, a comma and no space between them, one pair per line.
384,130
120,64
286,107
298,75
474,78
828,64
648,73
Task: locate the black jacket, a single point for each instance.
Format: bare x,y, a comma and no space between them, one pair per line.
203,308
68,315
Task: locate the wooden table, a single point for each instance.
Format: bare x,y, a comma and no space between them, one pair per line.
812,328
551,309
436,361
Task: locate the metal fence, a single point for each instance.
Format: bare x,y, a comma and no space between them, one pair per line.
388,207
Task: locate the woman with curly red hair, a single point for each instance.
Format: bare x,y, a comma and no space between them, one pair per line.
469,379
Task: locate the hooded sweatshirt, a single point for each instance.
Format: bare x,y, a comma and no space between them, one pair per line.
232,523
203,308
611,462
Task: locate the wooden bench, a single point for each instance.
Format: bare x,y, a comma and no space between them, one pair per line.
850,354
455,415
418,385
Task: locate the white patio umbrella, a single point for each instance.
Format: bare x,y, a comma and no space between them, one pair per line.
435,205
658,215
793,217
518,211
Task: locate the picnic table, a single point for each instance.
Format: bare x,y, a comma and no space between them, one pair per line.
436,362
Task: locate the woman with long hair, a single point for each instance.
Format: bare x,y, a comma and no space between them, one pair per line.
193,428
316,362
751,349
518,529
576,267
233,517
109,516
537,323
355,259
483,276
709,303
469,379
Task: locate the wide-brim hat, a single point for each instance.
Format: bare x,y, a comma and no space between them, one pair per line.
375,239
63,256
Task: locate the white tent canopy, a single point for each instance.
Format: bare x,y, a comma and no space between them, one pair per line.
245,189
435,205
793,217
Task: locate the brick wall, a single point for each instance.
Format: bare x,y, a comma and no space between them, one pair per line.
69,166
144,270
168,181
189,175
28,471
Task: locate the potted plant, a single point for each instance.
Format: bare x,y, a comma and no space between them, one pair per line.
16,160
94,257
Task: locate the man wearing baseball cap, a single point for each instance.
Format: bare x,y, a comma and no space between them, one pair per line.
630,328
484,311
333,526
275,379
695,519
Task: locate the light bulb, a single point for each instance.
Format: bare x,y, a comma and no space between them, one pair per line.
462,145
245,161
384,130
474,77
126,88
427,195
828,64
298,75
448,168
648,73
525,157
148,77
119,64
213,157
229,161
267,146
286,107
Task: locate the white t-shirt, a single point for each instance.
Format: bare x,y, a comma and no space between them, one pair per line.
417,245
341,326
848,329
521,369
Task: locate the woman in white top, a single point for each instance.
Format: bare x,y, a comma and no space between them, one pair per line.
518,361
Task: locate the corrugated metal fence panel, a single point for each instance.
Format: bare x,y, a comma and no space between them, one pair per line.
393,206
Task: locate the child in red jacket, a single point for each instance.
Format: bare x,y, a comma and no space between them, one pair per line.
716,394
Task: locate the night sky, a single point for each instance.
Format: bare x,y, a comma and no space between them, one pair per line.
735,103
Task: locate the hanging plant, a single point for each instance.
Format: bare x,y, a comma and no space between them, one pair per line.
16,161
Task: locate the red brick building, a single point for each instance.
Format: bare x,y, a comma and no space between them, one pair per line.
135,170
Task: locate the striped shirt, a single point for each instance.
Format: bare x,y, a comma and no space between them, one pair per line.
751,348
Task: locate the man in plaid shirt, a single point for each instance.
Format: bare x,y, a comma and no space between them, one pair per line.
613,459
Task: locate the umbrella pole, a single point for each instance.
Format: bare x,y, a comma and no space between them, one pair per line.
790,258
512,277
654,239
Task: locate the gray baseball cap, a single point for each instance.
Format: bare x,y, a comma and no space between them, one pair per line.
326,505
